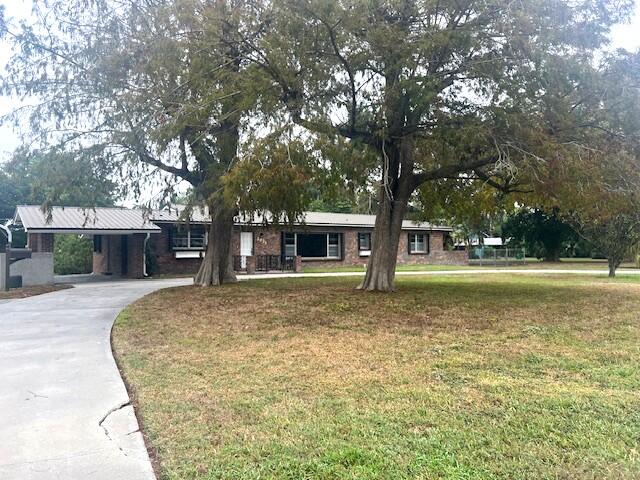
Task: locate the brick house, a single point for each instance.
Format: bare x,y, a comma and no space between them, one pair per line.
123,237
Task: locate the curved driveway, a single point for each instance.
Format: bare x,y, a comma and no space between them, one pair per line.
64,410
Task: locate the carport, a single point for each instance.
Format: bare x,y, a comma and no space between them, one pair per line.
119,235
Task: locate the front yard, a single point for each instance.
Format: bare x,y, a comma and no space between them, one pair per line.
461,377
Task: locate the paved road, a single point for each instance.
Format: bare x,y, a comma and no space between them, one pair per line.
64,410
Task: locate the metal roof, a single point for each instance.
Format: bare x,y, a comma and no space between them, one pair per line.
85,220
360,220
172,215
122,220
316,219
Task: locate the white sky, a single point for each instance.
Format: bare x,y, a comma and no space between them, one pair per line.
623,36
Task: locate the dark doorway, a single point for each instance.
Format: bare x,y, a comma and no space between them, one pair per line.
124,254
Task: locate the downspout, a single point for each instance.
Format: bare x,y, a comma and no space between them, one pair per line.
144,255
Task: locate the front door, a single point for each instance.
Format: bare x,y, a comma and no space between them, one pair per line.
246,247
124,255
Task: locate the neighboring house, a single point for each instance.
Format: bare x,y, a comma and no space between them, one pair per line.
487,241
122,236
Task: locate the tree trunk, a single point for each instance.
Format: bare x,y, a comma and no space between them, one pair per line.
552,254
217,265
381,267
613,265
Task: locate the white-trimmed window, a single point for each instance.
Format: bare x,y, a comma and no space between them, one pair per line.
313,246
364,244
418,242
289,245
333,245
192,237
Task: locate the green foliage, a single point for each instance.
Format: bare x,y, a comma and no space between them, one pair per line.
472,207
60,178
72,254
542,234
274,177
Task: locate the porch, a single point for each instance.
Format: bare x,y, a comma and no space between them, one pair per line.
266,263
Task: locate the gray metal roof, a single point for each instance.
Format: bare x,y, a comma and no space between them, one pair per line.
317,219
84,220
172,215
122,220
360,220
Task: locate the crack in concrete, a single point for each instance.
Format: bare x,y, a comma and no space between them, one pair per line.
120,406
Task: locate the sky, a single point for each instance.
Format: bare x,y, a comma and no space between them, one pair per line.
623,36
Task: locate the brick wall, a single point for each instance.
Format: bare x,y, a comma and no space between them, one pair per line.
135,259
165,257
40,242
109,260
267,241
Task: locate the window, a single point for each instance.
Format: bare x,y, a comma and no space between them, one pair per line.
290,245
97,243
364,244
418,243
192,237
313,245
333,245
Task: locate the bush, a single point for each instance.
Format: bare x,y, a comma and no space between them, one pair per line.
72,254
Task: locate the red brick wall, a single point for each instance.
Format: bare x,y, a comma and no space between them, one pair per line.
40,242
165,258
135,259
267,241
109,261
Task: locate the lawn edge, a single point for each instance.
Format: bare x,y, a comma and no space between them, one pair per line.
133,399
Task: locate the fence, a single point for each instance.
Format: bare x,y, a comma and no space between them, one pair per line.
496,256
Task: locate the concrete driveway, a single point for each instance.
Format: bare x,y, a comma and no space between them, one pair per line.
64,410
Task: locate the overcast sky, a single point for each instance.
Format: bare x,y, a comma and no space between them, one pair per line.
623,36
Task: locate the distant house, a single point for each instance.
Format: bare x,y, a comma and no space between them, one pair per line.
122,238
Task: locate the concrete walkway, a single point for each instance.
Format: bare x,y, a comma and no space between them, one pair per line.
64,410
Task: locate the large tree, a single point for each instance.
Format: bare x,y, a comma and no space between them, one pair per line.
433,88
146,85
595,175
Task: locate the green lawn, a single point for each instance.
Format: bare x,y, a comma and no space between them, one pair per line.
565,263
464,377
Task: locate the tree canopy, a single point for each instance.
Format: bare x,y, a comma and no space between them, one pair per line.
434,89
400,93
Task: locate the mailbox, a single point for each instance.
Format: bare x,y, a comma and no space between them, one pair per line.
13,255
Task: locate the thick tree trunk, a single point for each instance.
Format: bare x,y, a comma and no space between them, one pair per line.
217,265
381,267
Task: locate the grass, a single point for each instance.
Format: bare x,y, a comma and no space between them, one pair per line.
465,377
31,291
399,268
534,263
